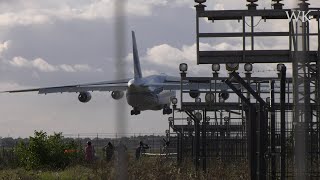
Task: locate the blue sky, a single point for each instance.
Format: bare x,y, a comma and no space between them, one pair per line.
48,43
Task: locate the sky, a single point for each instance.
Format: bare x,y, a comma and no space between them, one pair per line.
49,43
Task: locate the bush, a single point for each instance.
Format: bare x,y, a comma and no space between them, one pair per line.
45,151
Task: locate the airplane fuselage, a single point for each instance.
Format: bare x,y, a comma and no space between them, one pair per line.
143,94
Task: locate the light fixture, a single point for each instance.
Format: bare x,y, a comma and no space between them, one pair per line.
170,119
279,67
198,100
226,119
232,66
248,67
313,67
209,97
198,115
183,67
200,1
174,101
208,118
194,93
224,95
216,67
189,120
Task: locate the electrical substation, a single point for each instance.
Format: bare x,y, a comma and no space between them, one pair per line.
270,121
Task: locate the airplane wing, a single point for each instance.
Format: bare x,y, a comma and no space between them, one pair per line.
117,85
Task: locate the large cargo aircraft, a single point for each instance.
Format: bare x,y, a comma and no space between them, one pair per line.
143,93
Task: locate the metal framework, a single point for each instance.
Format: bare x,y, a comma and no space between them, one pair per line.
275,124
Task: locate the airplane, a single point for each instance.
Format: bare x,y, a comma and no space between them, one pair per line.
152,92
142,93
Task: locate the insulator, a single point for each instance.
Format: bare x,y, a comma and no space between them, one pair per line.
304,4
277,4
252,5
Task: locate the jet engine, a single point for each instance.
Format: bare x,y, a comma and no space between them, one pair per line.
84,97
117,95
194,93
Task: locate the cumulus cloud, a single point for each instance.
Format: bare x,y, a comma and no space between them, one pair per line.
43,66
165,54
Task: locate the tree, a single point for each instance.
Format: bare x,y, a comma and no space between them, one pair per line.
45,151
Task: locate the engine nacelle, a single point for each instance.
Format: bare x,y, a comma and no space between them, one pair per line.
117,95
84,97
194,93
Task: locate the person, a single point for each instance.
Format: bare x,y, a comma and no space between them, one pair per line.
109,149
141,149
89,152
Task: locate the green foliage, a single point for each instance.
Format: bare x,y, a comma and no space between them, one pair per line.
45,151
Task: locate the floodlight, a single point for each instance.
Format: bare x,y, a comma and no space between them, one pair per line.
248,67
209,97
198,100
221,99
232,66
215,67
198,116
313,67
174,101
200,1
224,95
279,67
226,118
183,67
208,118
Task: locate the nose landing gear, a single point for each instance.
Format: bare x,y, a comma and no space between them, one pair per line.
135,111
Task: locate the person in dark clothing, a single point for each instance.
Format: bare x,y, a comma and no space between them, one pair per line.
109,150
89,152
141,149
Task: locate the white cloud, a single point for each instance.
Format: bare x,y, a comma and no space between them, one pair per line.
165,54
82,67
43,66
10,85
4,46
34,12
67,68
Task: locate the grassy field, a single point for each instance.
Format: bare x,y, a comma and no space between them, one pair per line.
144,169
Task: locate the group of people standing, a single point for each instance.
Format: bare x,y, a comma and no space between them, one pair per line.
109,150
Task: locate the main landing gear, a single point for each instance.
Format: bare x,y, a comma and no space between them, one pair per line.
135,111
166,110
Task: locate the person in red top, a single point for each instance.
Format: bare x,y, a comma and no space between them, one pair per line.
89,152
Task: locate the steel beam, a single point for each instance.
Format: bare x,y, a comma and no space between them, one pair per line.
256,56
273,131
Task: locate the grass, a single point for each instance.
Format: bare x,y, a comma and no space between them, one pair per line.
144,169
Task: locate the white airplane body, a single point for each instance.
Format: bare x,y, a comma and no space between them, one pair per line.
142,93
